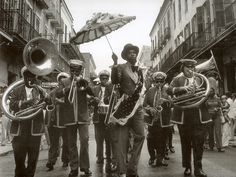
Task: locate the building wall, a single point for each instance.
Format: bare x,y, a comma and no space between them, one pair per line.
145,56
196,25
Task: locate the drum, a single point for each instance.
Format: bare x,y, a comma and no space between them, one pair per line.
102,109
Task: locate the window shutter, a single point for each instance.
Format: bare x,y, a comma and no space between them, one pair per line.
200,20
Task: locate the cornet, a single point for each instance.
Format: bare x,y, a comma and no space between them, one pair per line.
77,83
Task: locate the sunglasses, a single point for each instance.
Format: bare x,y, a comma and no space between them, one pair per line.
160,81
104,78
190,66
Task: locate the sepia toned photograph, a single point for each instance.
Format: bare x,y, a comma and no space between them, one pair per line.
117,88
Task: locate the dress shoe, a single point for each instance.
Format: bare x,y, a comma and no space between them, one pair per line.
86,171
151,161
167,158
113,167
187,172
172,150
99,161
199,173
161,164
65,164
221,150
49,166
73,173
108,167
132,175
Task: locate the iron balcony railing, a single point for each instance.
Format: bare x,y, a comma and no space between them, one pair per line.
195,42
12,22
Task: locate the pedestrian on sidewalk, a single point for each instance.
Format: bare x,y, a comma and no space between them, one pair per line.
5,124
232,116
214,106
226,134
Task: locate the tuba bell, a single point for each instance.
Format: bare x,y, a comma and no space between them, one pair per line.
40,57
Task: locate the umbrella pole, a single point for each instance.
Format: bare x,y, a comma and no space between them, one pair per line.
109,44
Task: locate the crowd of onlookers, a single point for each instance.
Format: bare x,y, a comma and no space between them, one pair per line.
221,130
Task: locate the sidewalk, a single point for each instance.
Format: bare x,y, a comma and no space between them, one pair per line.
4,150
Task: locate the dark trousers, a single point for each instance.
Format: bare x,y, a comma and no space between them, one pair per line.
136,124
215,133
102,135
192,136
156,142
26,146
54,149
170,131
74,159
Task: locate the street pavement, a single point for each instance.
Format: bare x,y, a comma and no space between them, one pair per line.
215,164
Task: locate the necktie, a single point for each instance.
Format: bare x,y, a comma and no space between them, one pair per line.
134,68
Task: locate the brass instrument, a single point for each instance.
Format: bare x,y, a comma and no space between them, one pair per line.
40,57
157,105
112,102
195,98
77,82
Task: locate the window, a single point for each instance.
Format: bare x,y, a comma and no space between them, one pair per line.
65,33
28,14
46,32
179,10
186,6
187,31
174,14
37,23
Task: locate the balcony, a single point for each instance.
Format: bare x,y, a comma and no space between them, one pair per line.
42,4
212,36
154,52
70,51
60,28
167,33
53,14
13,23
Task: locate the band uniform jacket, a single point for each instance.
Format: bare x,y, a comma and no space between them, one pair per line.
34,126
57,117
123,75
96,90
82,104
166,113
198,115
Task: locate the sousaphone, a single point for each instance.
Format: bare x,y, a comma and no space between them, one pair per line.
40,57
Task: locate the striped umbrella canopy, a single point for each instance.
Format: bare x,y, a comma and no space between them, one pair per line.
100,25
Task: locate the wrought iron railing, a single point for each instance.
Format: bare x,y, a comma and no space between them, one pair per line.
12,22
195,41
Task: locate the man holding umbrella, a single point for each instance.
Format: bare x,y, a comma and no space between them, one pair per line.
130,80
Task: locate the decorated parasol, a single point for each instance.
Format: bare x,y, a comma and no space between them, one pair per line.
100,25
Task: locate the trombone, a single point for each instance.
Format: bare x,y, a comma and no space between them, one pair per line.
77,83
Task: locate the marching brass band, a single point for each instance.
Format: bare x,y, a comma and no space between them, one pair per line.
163,105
